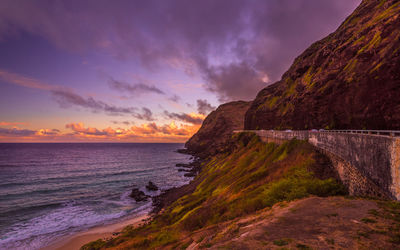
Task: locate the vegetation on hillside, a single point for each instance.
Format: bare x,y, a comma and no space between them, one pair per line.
255,175
332,83
217,128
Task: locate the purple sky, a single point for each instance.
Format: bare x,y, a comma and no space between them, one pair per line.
144,70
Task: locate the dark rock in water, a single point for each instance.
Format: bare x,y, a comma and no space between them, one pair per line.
184,170
138,195
182,165
151,186
183,151
190,174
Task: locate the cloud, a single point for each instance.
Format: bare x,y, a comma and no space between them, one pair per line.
237,46
48,132
24,81
189,118
123,122
203,107
152,129
12,123
227,81
174,98
16,132
79,128
148,132
145,115
66,98
134,89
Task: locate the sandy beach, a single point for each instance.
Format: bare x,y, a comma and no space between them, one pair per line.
74,242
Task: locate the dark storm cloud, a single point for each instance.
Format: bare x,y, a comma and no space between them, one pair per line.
237,46
134,89
203,107
184,117
234,81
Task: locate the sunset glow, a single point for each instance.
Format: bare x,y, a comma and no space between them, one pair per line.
143,71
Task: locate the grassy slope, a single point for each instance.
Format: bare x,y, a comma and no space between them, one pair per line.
255,175
331,84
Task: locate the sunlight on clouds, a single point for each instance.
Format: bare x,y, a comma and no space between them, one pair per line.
5,124
148,132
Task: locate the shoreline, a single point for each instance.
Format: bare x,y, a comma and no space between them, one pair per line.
159,202
77,240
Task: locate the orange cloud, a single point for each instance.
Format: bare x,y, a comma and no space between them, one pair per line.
12,123
80,129
149,132
143,133
47,132
151,129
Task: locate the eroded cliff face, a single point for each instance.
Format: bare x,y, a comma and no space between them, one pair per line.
217,128
350,79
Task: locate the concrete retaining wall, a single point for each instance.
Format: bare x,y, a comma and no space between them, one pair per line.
367,164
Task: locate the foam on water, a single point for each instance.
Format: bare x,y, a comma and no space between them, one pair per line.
30,233
51,191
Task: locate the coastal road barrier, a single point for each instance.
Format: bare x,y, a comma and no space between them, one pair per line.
366,161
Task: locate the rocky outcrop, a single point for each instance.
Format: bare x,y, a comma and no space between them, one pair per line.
217,128
138,195
350,79
151,186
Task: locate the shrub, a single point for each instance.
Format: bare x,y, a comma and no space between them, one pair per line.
94,245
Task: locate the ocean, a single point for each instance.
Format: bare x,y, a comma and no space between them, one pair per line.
49,191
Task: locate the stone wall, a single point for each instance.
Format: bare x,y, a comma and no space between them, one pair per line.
367,164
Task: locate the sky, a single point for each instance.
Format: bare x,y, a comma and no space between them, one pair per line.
144,71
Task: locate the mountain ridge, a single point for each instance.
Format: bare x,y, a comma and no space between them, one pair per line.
347,80
217,128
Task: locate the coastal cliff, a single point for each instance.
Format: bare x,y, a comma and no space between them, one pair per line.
217,128
348,80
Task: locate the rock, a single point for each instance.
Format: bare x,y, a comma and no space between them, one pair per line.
183,151
151,186
190,174
182,165
217,129
138,195
348,80
184,170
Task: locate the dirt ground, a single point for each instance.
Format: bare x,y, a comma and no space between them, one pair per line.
311,223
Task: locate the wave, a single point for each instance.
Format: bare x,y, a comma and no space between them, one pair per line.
52,192
84,176
41,231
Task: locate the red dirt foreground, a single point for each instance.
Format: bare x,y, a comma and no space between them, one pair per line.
310,223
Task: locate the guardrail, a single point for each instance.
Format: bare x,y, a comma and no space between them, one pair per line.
392,133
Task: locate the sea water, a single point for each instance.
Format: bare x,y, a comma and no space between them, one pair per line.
51,190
